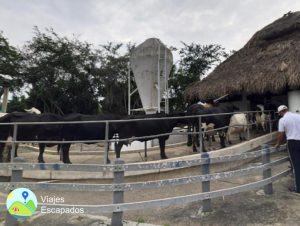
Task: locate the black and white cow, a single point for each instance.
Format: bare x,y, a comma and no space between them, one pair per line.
218,120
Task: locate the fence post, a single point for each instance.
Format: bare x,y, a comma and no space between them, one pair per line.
106,147
270,122
249,123
206,203
200,135
16,176
13,146
268,189
118,194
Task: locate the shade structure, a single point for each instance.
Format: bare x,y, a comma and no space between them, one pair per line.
269,62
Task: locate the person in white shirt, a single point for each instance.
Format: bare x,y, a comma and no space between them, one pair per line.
289,126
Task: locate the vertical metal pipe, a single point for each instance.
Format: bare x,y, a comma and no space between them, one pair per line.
248,126
270,122
129,92
16,176
158,80
268,189
14,139
165,75
206,204
200,135
118,194
106,142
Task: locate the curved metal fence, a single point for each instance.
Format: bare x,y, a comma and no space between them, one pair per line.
118,187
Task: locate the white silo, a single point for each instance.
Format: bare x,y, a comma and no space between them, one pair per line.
151,63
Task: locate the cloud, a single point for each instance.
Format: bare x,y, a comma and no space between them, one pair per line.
230,23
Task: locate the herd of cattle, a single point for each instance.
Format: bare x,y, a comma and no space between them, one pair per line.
158,126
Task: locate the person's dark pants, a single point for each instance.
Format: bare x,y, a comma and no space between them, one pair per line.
294,150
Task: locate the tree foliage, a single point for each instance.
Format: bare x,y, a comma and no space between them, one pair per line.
61,73
195,61
10,63
64,75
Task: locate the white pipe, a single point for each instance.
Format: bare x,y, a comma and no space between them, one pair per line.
158,80
129,95
166,88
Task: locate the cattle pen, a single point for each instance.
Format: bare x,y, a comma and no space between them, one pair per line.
119,187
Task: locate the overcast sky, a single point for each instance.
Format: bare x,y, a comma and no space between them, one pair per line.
230,23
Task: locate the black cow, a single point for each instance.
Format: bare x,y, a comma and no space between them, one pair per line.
219,121
55,132
86,131
193,123
30,132
152,127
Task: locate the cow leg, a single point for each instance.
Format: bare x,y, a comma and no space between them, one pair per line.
41,153
162,145
190,139
197,136
16,150
222,139
228,138
209,141
241,137
2,145
194,143
65,152
118,148
203,146
10,150
213,138
107,150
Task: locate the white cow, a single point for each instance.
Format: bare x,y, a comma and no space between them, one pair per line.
238,125
261,119
209,133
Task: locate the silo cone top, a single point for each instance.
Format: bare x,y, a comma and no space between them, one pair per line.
147,60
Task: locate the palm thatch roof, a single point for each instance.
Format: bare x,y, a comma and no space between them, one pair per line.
269,62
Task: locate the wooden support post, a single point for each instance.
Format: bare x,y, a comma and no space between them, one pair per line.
118,194
206,204
268,189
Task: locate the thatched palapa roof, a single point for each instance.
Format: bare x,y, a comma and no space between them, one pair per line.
270,61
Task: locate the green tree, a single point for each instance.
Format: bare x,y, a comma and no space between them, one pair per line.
195,61
60,74
10,64
113,78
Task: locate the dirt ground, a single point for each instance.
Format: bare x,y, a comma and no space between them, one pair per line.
247,208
